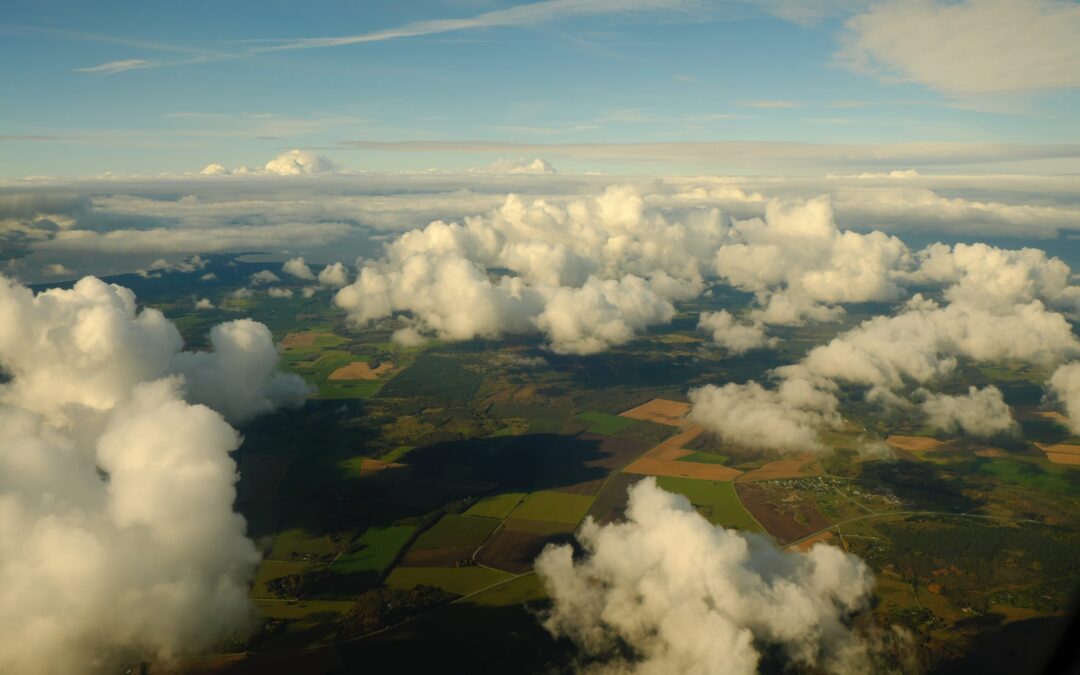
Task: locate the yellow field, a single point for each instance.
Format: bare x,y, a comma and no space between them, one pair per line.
914,443
661,411
360,370
798,466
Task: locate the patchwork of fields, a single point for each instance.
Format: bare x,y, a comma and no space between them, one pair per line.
428,479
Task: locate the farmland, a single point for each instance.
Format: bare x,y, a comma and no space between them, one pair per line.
428,478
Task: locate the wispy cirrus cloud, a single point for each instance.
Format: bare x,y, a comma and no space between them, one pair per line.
120,66
520,15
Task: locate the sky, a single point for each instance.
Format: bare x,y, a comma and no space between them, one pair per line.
146,88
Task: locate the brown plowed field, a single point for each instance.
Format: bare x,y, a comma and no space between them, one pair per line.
661,411
299,339
610,505
786,522
615,452
514,551
793,467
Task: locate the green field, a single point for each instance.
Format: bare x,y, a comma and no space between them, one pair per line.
560,507
602,423
716,500
397,453
704,458
381,546
1036,475
432,376
524,588
542,419
301,609
457,580
499,506
338,389
297,544
454,530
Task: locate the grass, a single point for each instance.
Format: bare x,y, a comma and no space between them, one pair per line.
457,580
541,419
397,453
302,609
1036,475
339,389
299,544
716,500
381,546
704,458
435,377
602,423
560,507
499,506
520,590
454,530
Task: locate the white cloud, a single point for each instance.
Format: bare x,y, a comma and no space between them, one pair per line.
535,167
982,412
1064,386
120,66
298,268
264,277
214,169
298,162
334,276
279,292
785,419
119,542
239,377
203,303
969,47
735,337
668,592
796,259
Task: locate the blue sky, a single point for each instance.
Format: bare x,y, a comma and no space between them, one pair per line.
147,87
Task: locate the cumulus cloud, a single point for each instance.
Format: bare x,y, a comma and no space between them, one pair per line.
298,268
264,277
119,541
334,275
298,162
239,377
786,419
970,47
535,167
797,261
589,274
1064,386
668,592
204,303
735,337
981,412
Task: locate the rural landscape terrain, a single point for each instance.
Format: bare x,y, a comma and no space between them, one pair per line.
399,511
540,337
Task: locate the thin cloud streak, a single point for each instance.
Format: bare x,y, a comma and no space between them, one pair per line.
521,15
